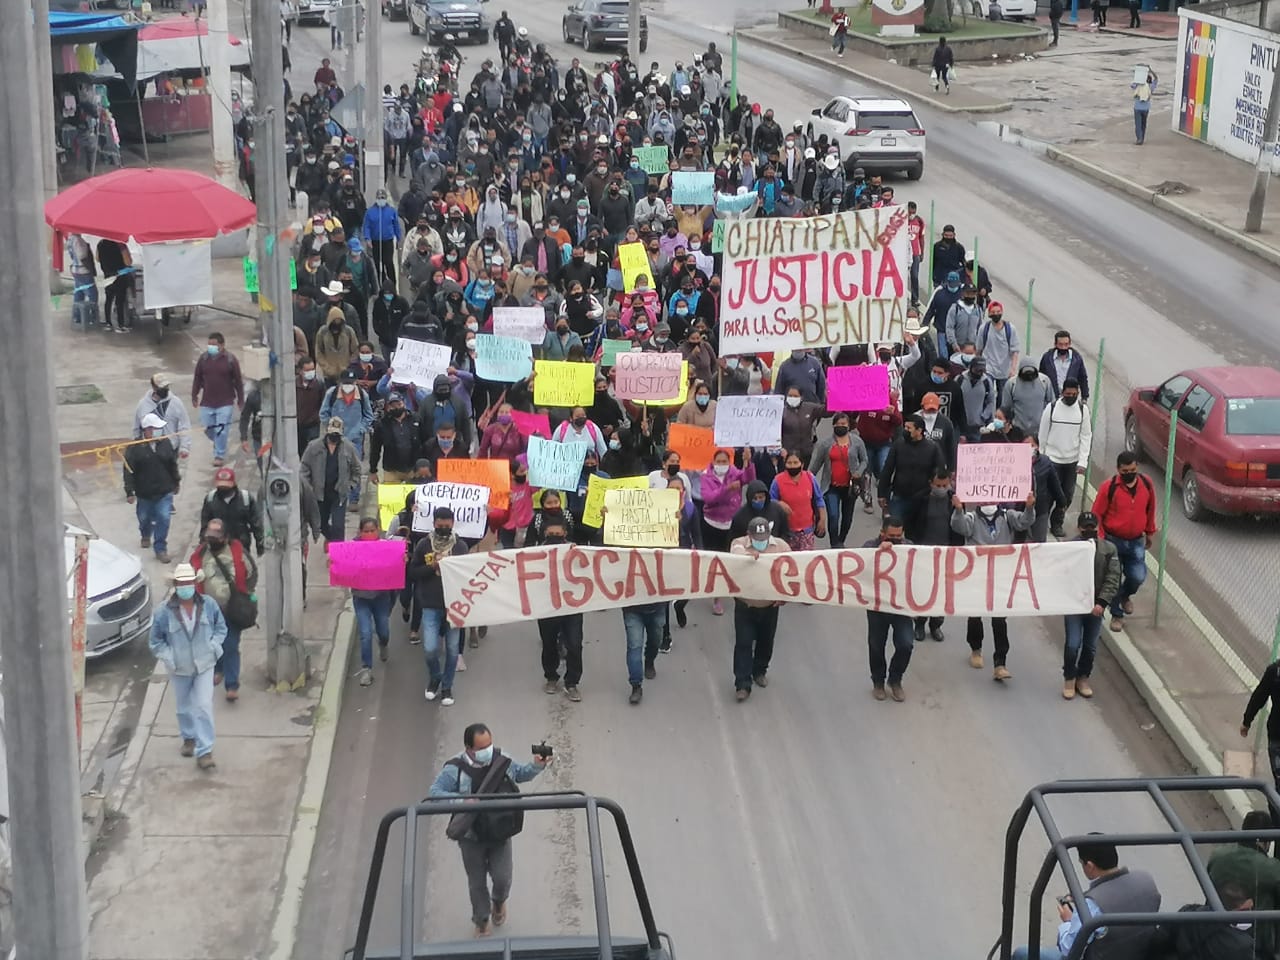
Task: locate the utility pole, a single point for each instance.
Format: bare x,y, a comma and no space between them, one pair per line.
1266,157
282,566
633,33
48,141
373,161
49,903
218,85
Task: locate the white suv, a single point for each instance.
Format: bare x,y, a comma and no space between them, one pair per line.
873,133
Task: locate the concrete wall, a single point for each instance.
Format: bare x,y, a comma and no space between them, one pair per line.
913,53
1255,13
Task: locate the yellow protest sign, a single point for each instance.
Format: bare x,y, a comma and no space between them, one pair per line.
561,383
633,261
642,518
391,501
680,398
596,487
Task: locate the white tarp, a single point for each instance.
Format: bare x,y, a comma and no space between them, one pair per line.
178,274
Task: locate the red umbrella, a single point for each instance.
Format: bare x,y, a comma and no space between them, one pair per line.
149,205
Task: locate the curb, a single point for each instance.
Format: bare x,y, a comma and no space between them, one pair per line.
1134,189
942,105
302,838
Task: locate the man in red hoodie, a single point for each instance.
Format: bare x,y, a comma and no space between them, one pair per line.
1126,510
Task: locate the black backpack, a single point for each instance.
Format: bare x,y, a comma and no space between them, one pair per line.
501,825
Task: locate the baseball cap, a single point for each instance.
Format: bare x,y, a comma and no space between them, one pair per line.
336,425
930,401
758,528
1087,520
160,380
224,475
153,422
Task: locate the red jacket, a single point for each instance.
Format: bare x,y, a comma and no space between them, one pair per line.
1125,513
879,426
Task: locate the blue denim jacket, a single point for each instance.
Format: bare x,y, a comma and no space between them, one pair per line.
187,654
454,780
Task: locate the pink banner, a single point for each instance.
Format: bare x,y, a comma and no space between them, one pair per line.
367,564
530,424
858,388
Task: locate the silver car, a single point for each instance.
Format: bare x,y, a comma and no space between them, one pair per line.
119,607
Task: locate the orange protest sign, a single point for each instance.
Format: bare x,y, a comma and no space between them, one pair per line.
694,444
494,474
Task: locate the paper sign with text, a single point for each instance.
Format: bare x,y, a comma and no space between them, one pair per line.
993,472
493,475
367,564
858,388
814,281
754,421
611,349
596,487
653,160
642,518
717,236
678,398
634,262
391,497
418,362
556,465
692,188
644,375
503,359
696,445
524,323
563,383
468,501
530,424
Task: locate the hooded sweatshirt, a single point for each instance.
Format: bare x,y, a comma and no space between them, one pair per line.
771,512
1027,398
720,499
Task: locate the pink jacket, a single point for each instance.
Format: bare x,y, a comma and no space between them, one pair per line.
720,501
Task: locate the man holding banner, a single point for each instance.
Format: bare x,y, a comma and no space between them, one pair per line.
755,622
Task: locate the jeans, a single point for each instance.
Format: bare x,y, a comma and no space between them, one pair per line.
432,620
1140,124
840,504
753,631
333,519
643,625
229,663
879,626
1067,478
482,861
877,454
153,520
552,631
915,278
217,427
1133,558
910,510
193,696
1082,631
838,42
358,443
999,633
372,613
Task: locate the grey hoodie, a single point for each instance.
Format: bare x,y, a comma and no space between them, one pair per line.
1027,398
978,531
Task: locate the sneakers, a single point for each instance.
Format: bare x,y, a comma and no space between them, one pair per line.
206,762
1058,532
146,543
975,659
461,666
637,694
878,692
742,695
1127,607
761,681
550,687
895,691
572,693
1117,624
188,748
382,651
1068,689
937,634
649,671
415,638
1001,673
499,913
1083,688
665,646
446,697
233,696
366,677
716,608
682,618
433,690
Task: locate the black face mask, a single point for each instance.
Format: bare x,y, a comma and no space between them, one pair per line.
519,478
443,394
1130,480
1090,533
215,543
1070,401
396,414
1027,375
794,471
553,539
673,469
162,393
896,540
579,422
840,430
1063,351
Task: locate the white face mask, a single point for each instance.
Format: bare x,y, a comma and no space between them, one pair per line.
793,402
988,510
720,469
348,388
308,374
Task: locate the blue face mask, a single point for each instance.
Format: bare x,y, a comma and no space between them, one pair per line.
702,401
953,289
760,545
998,423
937,378
615,444
483,756
388,297
185,592
213,349
759,505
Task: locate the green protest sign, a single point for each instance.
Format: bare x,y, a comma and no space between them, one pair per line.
717,236
609,355
653,160
251,275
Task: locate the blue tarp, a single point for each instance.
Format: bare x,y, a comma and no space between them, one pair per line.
117,39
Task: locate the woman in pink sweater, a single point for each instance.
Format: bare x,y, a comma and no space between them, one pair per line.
722,486
501,439
520,512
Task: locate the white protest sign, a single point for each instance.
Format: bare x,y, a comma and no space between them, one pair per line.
1024,580
418,362
468,501
524,323
749,421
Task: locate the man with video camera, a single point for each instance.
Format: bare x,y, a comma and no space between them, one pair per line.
485,838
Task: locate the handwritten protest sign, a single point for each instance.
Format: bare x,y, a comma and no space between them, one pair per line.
503,359
634,263
610,350
391,498
749,421
735,206
523,323
418,362
1031,580
596,487
562,383
692,189
993,472
468,501
530,424
367,564
653,160
694,444
251,275
642,517
717,236
493,475
858,388
644,375
679,397
814,281
555,465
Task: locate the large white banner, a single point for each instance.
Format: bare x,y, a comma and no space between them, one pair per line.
1027,579
814,281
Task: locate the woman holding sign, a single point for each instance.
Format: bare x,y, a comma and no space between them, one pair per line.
722,485
373,612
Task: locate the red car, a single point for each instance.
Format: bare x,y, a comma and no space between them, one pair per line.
1227,455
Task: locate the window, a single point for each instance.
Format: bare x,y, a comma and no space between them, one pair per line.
888,121
1195,409
1254,416
836,110
1171,391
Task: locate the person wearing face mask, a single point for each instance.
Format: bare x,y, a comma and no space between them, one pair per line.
560,340
1082,629
701,357
734,376
336,347
1027,396
151,480
1063,363
424,571
444,408
722,485
520,509
373,612
235,508
382,231
578,429
755,622
394,443
797,491
962,320
840,464
990,525
187,635
389,312
330,473
978,391
486,843
605,411
800,423
883,625
160,401
1066,437
661,340
228,575
368,366
904,478
938,428
1126,510
998,343
803,371
350,403
217,388
699,410
501,439
309,392
944,297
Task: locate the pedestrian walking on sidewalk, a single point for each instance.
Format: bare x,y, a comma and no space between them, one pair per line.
151,481
1135,21
484,839
1268,688
839,31
944,60
187,632
1142,105
1099,13
1082,629
1055,15
217,389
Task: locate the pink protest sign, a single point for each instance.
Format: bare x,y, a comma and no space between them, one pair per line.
531,424
858,388
367,564
993,472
